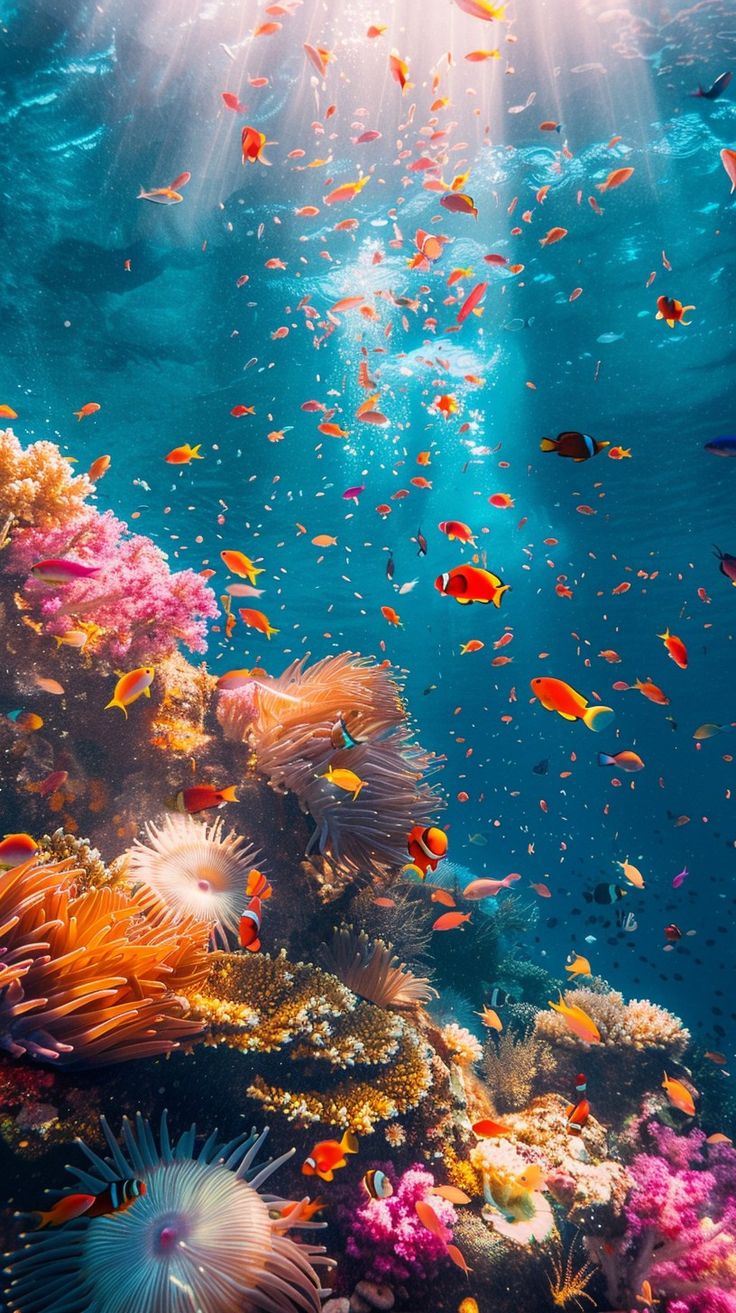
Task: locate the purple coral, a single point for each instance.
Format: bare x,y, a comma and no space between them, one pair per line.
136,608
681,1227
387,1237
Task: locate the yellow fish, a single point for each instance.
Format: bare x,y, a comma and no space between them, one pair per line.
678,1095
490,1018
580,966
345,779
130,687
578,1021
632,873
240,564
468,1305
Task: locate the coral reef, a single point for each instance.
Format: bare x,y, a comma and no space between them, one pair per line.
202,1226
38,487
514,1069
681,1227
516,1210
371,970
139,611
267,1005
89,978
291,737
387,1238
193,870
461,1044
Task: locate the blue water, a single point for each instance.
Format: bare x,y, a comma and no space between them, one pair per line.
97,101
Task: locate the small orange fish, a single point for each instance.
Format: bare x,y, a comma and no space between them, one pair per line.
240,564
329,1155
652,692
619,453
489,1130
98,468
399,71
252,145
502,500
88,408
184,454
429,1218
391,615
475,645
678,1095
333,430
443,896
257,620
7,412
675,648
616,178
16,849
257,886
130,687
490,1018
451,920
200,797
554,235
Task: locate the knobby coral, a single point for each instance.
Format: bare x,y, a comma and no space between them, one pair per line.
371,970
139,609
194,870
202,1236
291,737
37,484
388,1239
263,1005
681,1227
88,978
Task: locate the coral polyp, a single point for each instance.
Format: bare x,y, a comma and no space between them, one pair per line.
195,870
203,1236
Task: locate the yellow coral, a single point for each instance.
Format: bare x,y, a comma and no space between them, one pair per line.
37,484
512,1066
638,1025
462,1173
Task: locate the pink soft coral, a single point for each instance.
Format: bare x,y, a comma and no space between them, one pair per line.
387,1237
141,610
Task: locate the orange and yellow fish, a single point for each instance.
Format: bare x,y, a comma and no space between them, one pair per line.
130,687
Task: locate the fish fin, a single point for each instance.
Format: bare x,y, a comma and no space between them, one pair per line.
659,315
349,1142
499,594
567,715
547,444
464,601
604,759
147,692
194,454
598,718
325,1176
229,794
114,703
254,946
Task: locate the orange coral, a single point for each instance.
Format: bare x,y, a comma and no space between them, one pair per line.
89,978
37,484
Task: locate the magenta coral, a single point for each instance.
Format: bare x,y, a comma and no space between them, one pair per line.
387,1237
140,610
681,1227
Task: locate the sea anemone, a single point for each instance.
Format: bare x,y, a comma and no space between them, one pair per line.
371,970
202,1237
90,978
194,870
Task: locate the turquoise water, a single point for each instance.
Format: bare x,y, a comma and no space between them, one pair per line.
98,101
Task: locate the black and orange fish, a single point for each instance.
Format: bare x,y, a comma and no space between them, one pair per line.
469,583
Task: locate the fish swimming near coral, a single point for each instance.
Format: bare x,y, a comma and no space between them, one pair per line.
201,797
469,583
426,845
679,1095
556,695
328,1156
137,683
577,1021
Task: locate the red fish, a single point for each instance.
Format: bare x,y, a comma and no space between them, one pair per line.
16,849
249,929
469,583
451,920
200,797
675,647
116,1198
426,847
329,1155
253,144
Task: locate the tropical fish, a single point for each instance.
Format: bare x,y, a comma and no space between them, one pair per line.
329,1155
577,1021
577,965
675,648
458,202
257,620
652,692
576,446
577,1113
616,178
490,1018
632,873
56,571
7,412
727,565
628,760
426,845
470,583
16,849
98,468
249,928
716,88
115,1198
89,408
474,645
490,1130
252,145
556,695
184,455
728,160
429,1218
451,920
455,529
678,1095
554,235
240,564
130,687
484,888
345,779
200,797
725,446
672,311
257,885
377,1184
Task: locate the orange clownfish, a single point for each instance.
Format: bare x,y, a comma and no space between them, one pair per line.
469,583
249,929
429,248
252,144
426,847
556,695
577,1114
328,1155
672,311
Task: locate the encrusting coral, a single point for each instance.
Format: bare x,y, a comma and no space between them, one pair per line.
370,969
292,740
461,1044
88,978
259,1004
200,1228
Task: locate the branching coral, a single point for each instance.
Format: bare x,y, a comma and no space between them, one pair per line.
387,1238
372,971
88,979
291,736
681,1227
91,872
513,1067
37,484
202,1236
194,870
514,1209
266,1005
140,610
639,1025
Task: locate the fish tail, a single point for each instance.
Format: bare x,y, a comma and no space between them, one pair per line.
349,1142
664,636
229,794
195,452
598,718
547,444
499,594
44,1219
604,759
270,630
254,946
114,703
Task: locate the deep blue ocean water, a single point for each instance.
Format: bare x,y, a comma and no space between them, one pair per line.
97,100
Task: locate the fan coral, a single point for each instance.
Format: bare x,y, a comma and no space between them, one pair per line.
291,737
258,1004
37,484
639,1025
202,1236
387,1237
140,610
681,1232
194,870
371,970
462,1046
89,979
513,1066
517,1212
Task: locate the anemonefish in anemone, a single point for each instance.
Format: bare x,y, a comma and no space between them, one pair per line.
249,929
577,1113
426,845
119,1196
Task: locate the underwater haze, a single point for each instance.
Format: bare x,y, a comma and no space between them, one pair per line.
366,671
